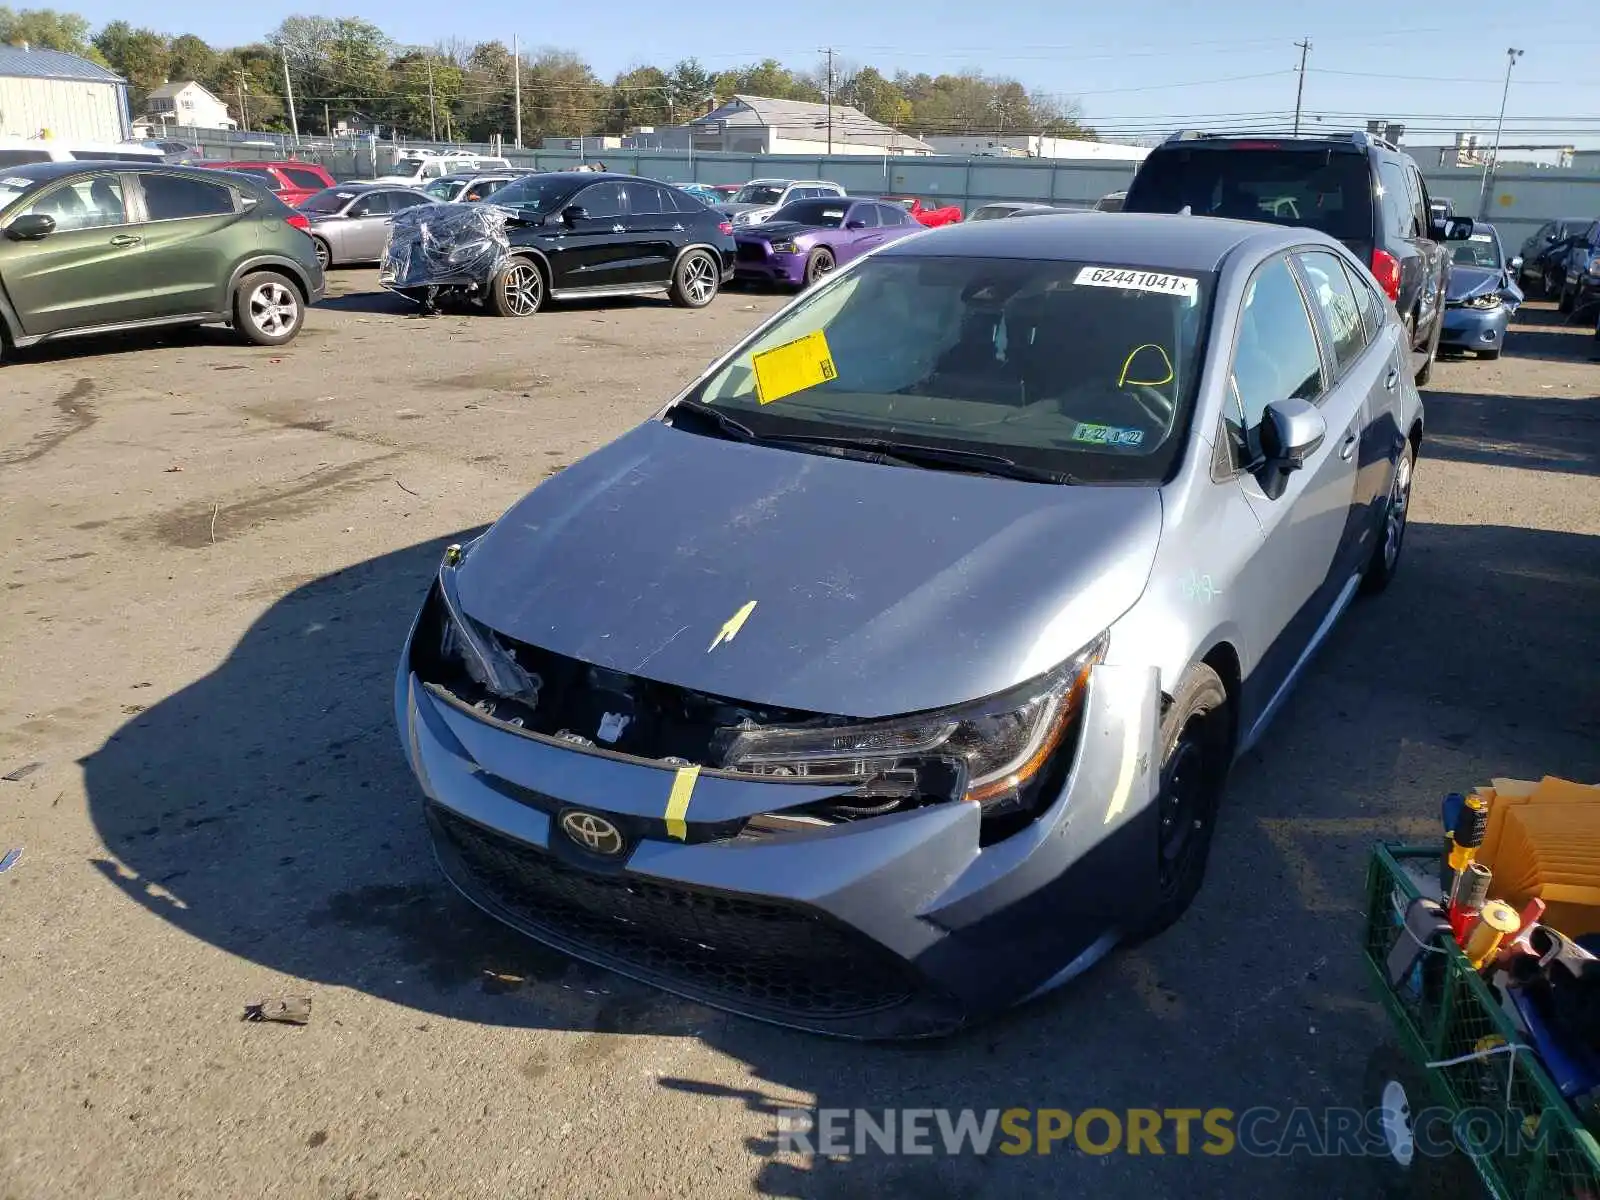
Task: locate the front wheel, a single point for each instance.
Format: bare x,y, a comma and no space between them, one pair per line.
267,309
516,289
695,280
324,253
1194,765
819,264
1425,372
1567,302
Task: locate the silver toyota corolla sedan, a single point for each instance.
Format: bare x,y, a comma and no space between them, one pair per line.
892,673
350,223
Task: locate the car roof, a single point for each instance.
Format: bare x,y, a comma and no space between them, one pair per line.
1150,240
55,170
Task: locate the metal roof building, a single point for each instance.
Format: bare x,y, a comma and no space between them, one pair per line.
67,96
762,125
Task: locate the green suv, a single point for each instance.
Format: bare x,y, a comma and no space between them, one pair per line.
98,247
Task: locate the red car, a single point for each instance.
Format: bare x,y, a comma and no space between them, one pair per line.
290,181
931,217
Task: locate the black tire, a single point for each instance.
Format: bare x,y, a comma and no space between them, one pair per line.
1548,284
1397,1087
1194,765
1385,560
1567,301
695,280
517,288
324,253
1425,372
268,309
819,264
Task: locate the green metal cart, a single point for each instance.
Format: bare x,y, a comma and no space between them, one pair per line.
1524,1140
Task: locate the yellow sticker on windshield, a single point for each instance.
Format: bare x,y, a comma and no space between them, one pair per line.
793,367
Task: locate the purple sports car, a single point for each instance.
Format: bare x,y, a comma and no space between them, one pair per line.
805,239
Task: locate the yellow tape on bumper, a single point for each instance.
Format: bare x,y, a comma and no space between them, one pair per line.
678,802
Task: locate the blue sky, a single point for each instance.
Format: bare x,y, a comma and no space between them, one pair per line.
1135,64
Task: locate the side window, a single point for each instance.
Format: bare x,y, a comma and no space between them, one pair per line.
602,201
1419,202
175,197
643,200
84,203
302,178
683,201
893,214
373,204
1545,234
399,201
867,214
1276,356
1396,200
1330,292
1372,313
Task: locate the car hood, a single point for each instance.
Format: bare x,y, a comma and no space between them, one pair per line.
876,589
777,231
1466,282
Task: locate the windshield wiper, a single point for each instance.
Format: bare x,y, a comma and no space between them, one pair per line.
911,454
734,431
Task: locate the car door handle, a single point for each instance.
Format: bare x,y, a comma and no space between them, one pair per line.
617,229
1348,448
126,239
1391,380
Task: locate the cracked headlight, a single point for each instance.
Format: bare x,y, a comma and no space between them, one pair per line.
1005,741
1487,300
474,647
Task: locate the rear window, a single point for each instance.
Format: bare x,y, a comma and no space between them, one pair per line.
1311,187
329,200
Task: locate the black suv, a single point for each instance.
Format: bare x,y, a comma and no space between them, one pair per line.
1356,187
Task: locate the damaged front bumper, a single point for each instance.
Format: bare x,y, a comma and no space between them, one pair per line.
1468,328
902,925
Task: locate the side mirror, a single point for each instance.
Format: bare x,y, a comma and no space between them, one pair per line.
1515,264
30,227
1457,229
573,213
855,224
1290,431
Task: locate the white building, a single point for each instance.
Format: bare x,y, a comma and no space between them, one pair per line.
758,125
1029,145
70,97
189,105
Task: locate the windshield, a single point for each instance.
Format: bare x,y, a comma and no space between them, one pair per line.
409,166
825,214
442,189
1482,250
1086,368
541,193
329,200
758,193
1330,192
12,187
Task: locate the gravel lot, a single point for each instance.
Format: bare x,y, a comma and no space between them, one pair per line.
210,557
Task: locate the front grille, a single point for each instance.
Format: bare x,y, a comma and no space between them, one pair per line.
751,252
768,958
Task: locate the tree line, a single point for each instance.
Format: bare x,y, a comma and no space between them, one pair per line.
347,69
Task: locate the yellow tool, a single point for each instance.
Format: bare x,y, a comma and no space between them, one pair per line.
1496,921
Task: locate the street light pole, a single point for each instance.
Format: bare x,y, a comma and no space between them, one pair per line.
1494,157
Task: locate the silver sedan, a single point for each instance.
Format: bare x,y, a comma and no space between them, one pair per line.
350,224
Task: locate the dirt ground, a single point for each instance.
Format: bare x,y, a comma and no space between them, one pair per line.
210,555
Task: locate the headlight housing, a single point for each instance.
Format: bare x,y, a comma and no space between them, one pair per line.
1488,300
475,647
1004,742
783,248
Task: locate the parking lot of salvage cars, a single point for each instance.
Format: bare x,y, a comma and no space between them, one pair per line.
211,556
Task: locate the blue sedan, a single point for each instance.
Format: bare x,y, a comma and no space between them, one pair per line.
1481,294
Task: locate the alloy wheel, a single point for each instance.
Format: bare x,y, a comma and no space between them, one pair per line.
1394,526
818,267
324,255
274,309
699,279
523,288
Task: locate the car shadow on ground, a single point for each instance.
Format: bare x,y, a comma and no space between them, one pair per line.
1545,433
267,809
1540,331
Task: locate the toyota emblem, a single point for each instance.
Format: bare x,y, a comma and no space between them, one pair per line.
594,833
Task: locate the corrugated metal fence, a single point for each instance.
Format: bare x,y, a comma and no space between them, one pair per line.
1520,198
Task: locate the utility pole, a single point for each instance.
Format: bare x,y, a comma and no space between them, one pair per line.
1494,157
829,95
288,94
516,76
1300,87
327,121
433,115
244,113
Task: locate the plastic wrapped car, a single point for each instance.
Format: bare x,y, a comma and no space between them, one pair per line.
444,245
